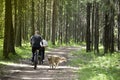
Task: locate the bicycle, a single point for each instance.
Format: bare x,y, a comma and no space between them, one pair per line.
37,59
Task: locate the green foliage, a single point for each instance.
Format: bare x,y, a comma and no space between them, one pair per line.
25,50
70,43
1,18
22,52
96,67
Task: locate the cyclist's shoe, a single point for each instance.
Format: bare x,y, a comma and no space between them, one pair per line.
40,62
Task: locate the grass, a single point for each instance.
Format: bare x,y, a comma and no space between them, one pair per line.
92,67
96,67
22,52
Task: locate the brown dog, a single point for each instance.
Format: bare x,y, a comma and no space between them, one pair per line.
54,60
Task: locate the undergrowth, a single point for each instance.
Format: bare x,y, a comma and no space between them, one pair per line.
92,67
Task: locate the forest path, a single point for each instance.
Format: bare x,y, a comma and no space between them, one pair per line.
25,71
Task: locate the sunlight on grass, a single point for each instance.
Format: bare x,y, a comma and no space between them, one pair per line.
22,52
99,77
25,52
37,78
94,67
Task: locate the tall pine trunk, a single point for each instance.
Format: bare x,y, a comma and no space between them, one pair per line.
88,41
8,46
96,37
32,19
93,25
18,41
119,27
54,21
44,28
106,33
112,30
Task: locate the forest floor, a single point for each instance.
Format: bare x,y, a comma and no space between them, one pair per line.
24,70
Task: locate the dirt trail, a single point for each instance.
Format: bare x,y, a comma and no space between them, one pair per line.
25,71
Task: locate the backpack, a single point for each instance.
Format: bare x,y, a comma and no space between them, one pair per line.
44,43
35,41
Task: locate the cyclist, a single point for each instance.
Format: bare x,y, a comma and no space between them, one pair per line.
35,43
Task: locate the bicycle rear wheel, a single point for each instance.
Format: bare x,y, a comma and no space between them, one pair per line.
35,60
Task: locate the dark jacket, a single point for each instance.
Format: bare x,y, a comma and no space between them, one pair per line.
35,41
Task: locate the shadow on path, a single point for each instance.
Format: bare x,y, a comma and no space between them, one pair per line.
25,71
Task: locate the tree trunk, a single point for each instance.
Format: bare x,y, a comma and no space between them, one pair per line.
18,41
109,29
119,27
60,22
8,46
54,21
44,28
88,41
112,30
106,33
32,19
66,30
93,25
96,37
15,17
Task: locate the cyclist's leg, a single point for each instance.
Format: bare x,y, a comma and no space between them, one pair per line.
33,51
41,54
